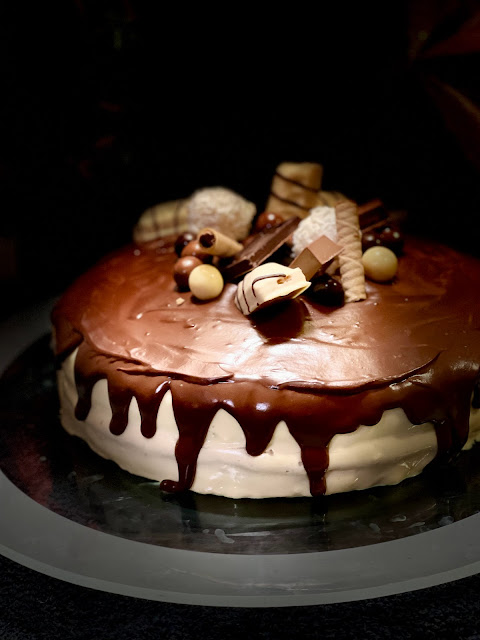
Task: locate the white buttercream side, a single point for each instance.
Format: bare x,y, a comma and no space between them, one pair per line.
474,432
383,454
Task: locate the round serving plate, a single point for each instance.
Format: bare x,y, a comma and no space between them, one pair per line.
70,514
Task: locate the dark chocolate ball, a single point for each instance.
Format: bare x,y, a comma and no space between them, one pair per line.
182,269
267,220
194,248
326,290
369,239
392,239
182,241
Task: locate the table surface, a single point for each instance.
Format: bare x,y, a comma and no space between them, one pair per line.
34,606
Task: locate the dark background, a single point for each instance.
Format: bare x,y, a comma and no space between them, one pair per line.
111,107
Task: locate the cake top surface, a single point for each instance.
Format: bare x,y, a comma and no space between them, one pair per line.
127,307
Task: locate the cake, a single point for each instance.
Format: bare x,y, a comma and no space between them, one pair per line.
300,398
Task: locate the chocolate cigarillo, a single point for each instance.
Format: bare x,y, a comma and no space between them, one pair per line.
218,244
294,189
350,259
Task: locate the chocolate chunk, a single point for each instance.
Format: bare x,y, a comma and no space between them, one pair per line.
372,214
259,249
317,256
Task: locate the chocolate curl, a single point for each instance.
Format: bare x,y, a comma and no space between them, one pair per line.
316,257
294,189
216,243
350,259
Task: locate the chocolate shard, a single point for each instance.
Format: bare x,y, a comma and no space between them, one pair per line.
261,248
372,214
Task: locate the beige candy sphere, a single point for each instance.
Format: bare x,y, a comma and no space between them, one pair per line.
380,264
205,282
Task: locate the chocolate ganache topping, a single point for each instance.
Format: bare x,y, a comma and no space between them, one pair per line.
414,344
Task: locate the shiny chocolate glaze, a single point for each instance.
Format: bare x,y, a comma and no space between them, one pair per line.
414,344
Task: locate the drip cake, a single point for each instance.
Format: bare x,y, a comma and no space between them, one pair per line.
312,349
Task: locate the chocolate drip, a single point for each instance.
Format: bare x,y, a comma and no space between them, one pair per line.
414,344
87,373
120,399
149,404
193,416
312,418
123,386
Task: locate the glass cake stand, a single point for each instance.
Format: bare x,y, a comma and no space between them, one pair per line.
72,515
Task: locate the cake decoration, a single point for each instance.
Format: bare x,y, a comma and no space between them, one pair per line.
221,208
326,290
372,214
294,189
182,240
380,264
317,256
182,269
205,282
267,220
391,238
263,245
268,284
218,244
350,259
194,248
384,236
161,220
320,221
330,198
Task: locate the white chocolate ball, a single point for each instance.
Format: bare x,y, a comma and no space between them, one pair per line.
380,264
205,282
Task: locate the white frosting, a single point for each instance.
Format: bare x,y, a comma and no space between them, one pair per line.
383,454
222,209
321,221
